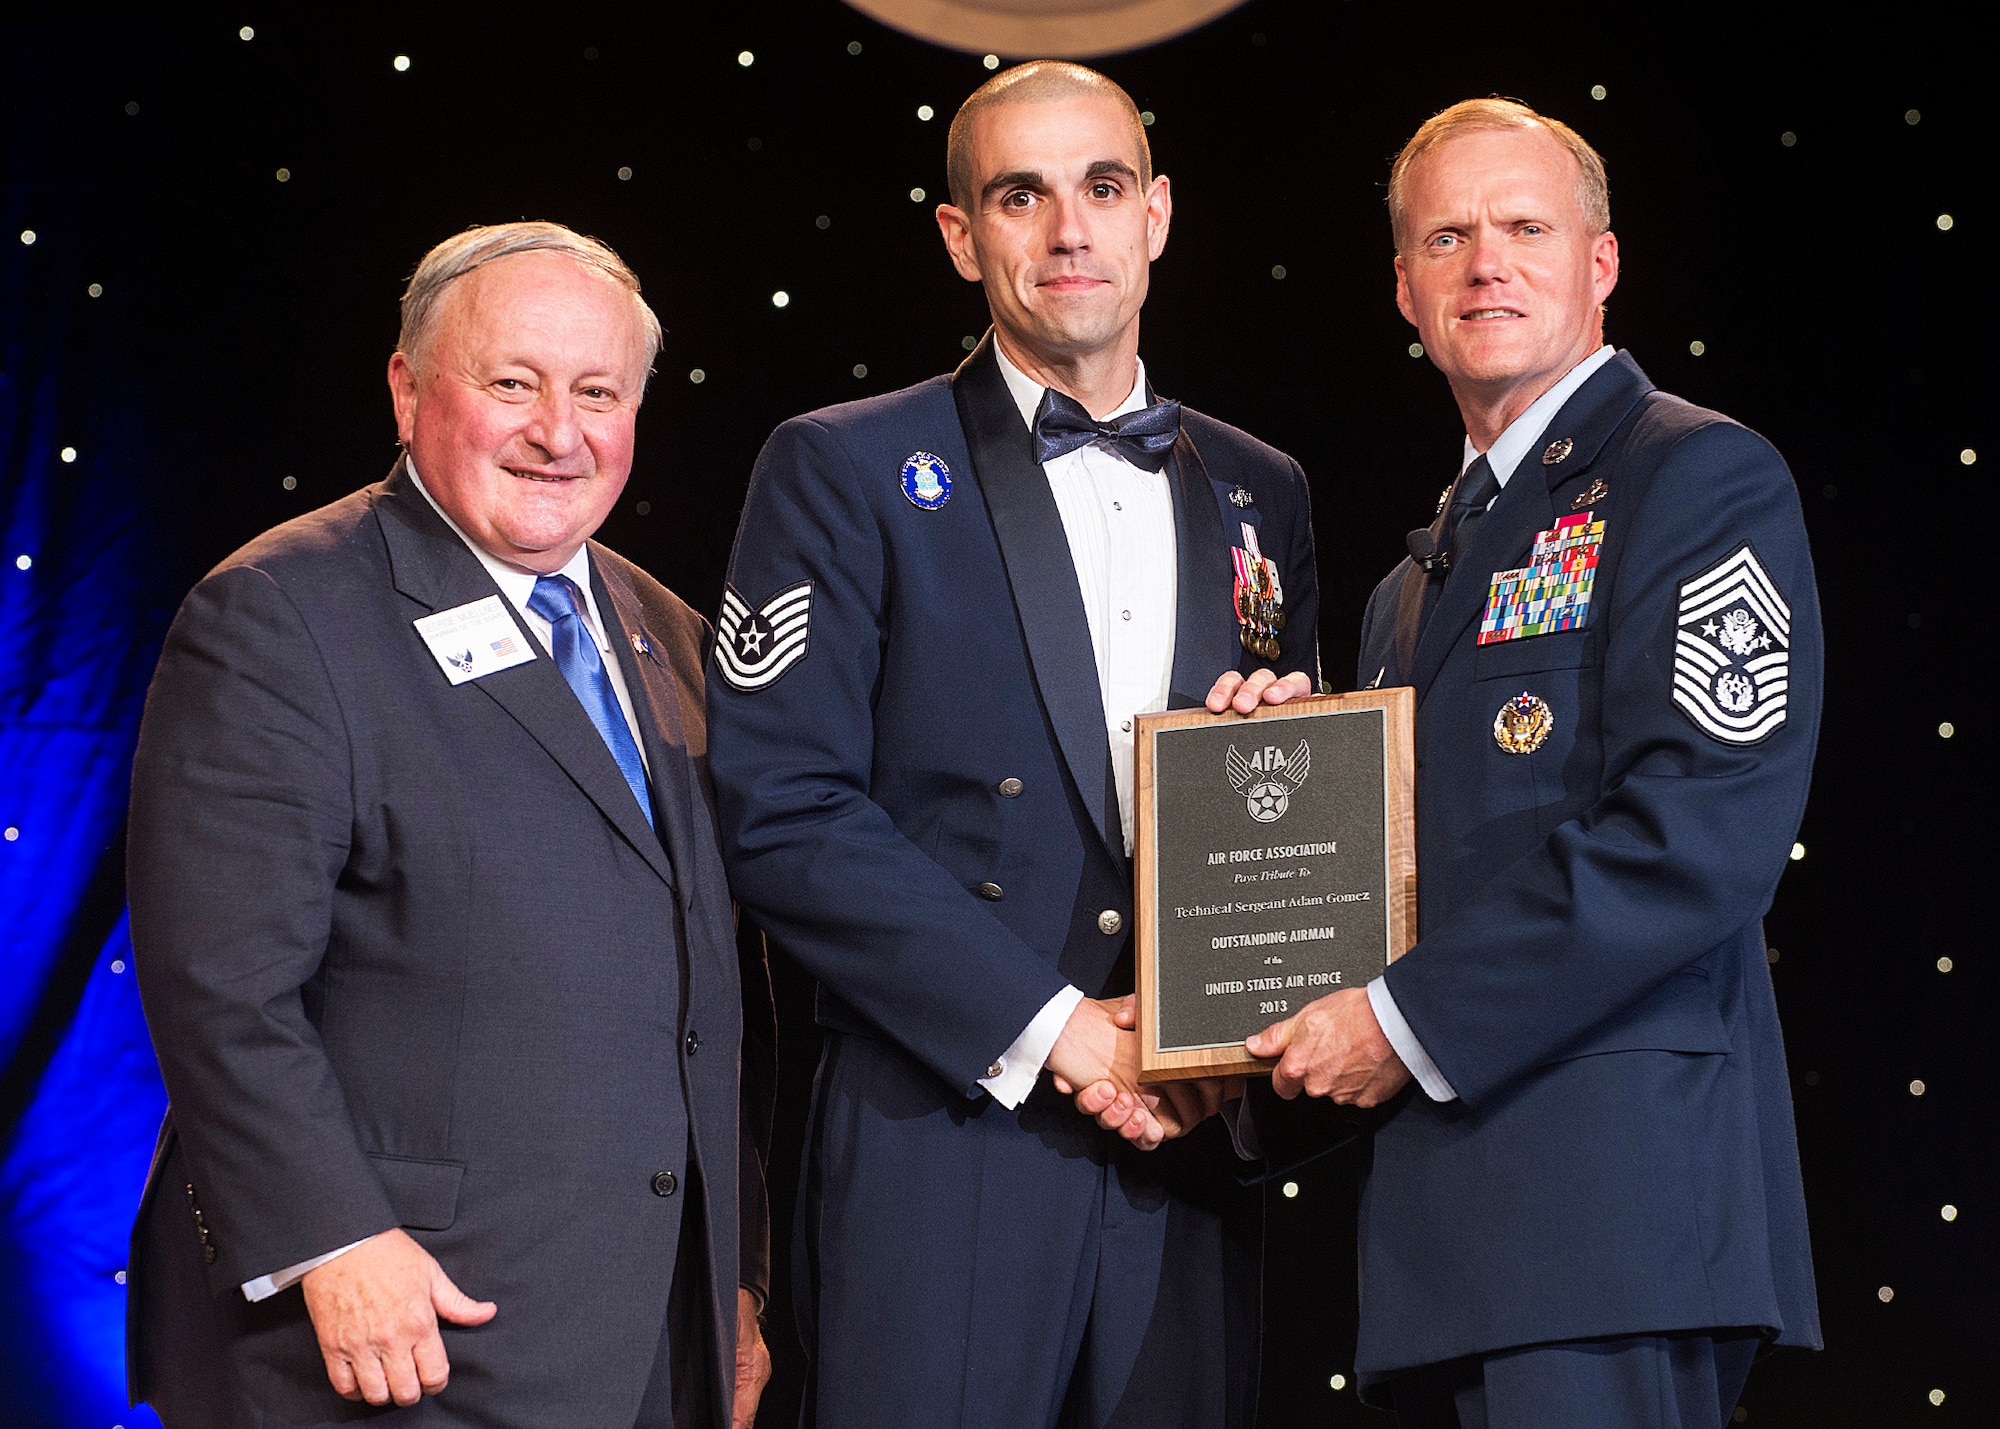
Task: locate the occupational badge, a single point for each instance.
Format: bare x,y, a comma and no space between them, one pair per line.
1260,598
1268,778
1591,494
926,480
755,646
1551,592
1732,650
1557,451
1523,724
1240,498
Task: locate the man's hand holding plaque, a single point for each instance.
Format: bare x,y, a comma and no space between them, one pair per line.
1149,1114
1333,1048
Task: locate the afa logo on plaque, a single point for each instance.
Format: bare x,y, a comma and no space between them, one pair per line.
1268,778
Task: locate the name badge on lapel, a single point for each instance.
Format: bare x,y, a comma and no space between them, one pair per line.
472,641
1551,592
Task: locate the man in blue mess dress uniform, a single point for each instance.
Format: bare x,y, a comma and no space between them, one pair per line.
945,607
1588,1211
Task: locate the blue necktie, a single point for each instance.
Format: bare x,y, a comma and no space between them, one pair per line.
560,603
1143,437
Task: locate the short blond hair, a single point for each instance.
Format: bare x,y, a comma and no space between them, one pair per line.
482,244
1026,84
1471,116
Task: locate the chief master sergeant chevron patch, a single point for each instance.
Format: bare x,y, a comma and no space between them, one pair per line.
1732,650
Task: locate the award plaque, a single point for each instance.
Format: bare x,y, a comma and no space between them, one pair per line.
1277,863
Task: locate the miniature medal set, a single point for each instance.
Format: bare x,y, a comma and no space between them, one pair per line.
1260,599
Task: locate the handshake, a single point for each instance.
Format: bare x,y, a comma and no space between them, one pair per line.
1331,1048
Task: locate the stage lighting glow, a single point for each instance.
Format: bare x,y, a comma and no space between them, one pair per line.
131,106
284,176
13,834
1967,457
1917,1087
854,47
860,369
246,34
1885,1294
23,562
924,112
624,173
68,454
1146,117
1697,347
1339,1381
402,62
1770,955
28,237
1944,965
290,483
1949,1212
96,290
1798,852
697,377
1911,116
1278,271
1944,222
1416,349
1788,138
781,299
968,342
746,59
644,508
1598,91
1291,1190
118,966
1947,730
991,61
1936,1396
822,222
916,195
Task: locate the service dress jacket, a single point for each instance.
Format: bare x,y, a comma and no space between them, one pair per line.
1604,810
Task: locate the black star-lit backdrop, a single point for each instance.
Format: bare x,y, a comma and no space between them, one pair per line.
204,227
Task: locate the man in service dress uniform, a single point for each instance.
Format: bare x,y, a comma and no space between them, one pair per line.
945,608
1587,1214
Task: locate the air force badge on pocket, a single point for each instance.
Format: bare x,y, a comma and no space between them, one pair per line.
754,646
1732,650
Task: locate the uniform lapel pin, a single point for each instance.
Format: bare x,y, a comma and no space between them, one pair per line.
1557,451
1591,495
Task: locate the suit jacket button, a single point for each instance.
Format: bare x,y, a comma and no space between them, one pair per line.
665,1183
693,1043
1010,788
989,891
1110,921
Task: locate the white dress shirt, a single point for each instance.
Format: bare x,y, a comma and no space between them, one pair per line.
1119,519
1521,437
517,585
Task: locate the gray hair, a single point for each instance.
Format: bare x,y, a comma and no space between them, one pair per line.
481,244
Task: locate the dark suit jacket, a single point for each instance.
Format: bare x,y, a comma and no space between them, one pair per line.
1591,975
921,811
411,956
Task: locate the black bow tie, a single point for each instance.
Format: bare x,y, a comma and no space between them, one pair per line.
1143,437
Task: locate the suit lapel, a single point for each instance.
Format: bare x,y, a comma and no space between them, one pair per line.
432,566
1047,598
1526,507
1205,640
662,721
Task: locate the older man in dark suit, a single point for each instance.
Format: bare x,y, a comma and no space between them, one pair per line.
1587,1214
432,928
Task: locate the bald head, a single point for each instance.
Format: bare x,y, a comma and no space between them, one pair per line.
1040,81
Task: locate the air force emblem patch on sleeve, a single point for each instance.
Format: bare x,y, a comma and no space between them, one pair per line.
754,646
1732,650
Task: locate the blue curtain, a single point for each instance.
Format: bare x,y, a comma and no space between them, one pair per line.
80,617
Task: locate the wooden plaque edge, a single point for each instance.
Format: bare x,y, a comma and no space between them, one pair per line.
1399,707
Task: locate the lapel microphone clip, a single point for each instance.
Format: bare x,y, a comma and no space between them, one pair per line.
1424,551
